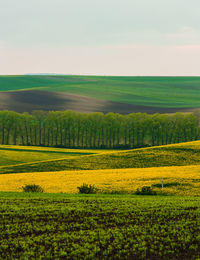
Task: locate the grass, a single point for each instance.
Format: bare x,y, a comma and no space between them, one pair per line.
178,180
182,154
173,92
59,226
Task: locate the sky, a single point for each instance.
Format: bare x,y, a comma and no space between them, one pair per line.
100,37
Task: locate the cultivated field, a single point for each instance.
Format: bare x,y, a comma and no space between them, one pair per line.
119,171
113,224
49,226
14,154
178,180
182,154
97,93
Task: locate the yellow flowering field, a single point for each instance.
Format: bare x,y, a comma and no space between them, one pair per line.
182,154
178,180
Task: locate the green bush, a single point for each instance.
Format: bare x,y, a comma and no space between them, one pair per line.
145,190
32,188
87,189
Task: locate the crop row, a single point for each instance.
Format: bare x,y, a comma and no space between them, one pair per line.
99,227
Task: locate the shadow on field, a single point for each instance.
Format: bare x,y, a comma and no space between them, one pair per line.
26,101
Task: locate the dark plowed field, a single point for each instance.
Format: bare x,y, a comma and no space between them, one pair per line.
26,101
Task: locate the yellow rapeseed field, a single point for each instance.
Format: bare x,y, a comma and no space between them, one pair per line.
178,180
79,159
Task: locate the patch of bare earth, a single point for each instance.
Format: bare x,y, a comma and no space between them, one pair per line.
26,101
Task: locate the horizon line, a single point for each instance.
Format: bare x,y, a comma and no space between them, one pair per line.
91,75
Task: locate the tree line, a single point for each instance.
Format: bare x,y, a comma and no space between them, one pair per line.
96,130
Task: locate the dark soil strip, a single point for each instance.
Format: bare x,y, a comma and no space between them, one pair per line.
27,101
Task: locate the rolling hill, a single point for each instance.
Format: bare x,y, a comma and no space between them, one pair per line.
99,93
14,154
63,170
159,156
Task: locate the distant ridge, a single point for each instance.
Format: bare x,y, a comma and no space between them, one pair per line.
29,100
46,74
52,91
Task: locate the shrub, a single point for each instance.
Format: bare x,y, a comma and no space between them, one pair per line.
145,190
32,188
87,189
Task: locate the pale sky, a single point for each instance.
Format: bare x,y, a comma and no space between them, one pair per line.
100,37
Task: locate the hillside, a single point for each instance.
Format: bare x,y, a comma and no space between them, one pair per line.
178,180
98,93
15,154
159,156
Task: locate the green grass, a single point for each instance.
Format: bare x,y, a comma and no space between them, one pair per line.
174,92
61,226
167,155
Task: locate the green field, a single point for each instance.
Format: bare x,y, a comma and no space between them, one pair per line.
166,92
167,155
49,226
13,154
